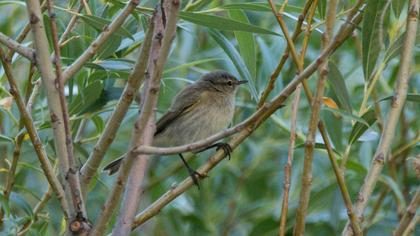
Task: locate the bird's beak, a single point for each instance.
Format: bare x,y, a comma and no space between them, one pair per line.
241,82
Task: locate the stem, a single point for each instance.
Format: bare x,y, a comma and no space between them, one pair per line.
146,125
33,135
397,104
134,81
17,47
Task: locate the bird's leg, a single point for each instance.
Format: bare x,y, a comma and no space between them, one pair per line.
192,172
225,146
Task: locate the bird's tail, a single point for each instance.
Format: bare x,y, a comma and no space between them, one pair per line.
113,167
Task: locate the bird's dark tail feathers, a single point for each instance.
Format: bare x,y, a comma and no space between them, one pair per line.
113,167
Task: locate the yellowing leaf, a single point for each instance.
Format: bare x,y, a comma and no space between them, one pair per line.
25,136
329,103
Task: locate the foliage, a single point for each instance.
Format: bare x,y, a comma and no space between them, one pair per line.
242,196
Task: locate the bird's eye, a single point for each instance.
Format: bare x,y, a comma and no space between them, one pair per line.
229,83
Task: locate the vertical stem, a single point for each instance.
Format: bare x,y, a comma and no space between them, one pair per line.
146,125
397,103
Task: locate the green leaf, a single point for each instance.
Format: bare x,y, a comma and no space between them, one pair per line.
221,23
99,123
87,97
338,85
6,139
359,128
345,115
258,6
322,8
371,41
233,54
320,146
394,186
100,23
395,48
246,42
411,97
5,2
19,201
397,6
191,64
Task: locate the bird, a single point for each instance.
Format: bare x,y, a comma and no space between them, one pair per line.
198,111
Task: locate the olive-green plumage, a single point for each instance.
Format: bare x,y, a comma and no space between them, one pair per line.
197,112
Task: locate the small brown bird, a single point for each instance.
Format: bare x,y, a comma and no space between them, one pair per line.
197,112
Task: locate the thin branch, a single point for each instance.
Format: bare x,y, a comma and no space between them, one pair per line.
148,53
79,224
70,26
17,47
134,81
409,214
269,108
412,226
33,135
146,124
275,74
397,104
37,209
99,41
288,166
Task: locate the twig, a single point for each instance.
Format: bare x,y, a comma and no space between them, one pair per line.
269,108
397,104
99,41
17,47
412,226
134,81
409,214
275,74
70,26
146,124
10,179
151,44
37,209
33,135
79,223
288,166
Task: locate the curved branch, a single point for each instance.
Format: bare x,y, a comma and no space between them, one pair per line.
17,47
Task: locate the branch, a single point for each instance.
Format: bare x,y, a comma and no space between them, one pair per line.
79,224
146,124
269,108
275,74
288,166
156,30
33,135
134,81
409,214
17,47
397,104
99,41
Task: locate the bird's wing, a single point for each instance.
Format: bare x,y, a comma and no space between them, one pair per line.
183,101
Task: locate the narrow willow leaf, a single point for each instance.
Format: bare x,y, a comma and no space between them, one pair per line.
371,41
395,48
6,139
320,146
359,128
397,6
233,54
410,97
246,42
99,23
99,123
258,6
322,8
221,23
88,96
345,114
191,64
394,186
338,85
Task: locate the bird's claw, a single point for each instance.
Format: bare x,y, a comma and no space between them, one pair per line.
226,148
